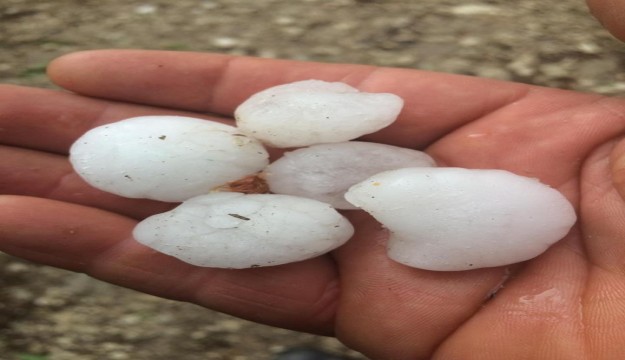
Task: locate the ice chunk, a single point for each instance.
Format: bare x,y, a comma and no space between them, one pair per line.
167,158
233,230
325,171
460,219
313,111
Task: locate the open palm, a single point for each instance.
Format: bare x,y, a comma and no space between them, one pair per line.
568,303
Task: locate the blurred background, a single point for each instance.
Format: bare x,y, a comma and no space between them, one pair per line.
49,314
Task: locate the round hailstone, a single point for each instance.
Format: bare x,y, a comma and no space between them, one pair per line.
314,111
167,158
233,230
324,172
460,219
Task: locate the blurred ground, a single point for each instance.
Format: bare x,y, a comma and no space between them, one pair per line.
48,314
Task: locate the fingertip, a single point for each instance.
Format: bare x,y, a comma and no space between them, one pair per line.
611,14
64,69
60,62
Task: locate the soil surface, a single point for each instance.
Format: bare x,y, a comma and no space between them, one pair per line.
49,314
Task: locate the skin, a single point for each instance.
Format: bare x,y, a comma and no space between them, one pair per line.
568,303
611,14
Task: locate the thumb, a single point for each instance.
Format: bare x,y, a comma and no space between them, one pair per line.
611,14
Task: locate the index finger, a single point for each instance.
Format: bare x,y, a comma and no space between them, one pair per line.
435,103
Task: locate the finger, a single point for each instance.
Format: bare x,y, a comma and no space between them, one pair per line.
51,120
40,174
400,302
610,13
435,103
299,296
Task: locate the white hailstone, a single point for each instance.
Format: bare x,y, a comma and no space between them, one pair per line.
314,111
167,158
458,219
233,230
324,172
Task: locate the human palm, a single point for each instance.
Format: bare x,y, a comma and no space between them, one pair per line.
568,303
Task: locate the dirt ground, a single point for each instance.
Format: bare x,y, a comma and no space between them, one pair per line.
49,314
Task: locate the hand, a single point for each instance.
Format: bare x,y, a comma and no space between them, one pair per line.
568,303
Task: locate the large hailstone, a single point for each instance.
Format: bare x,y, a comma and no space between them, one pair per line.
233,230
167,158
324,172
313,111
460,219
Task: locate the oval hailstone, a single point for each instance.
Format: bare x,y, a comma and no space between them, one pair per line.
314,111
324,172
459,219
233,230
167,158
